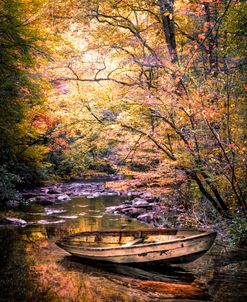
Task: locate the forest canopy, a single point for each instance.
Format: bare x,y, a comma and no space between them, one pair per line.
86,84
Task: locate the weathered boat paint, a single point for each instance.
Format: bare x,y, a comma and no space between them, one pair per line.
165,245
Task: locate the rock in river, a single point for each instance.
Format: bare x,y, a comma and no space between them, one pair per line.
63,197
50,222
147,217
139,202
14,221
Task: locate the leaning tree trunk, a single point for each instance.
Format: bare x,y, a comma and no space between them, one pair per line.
167,16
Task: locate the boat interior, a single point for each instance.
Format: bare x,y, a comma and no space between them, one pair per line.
125,238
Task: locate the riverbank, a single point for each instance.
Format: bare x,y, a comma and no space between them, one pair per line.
156,200
47,273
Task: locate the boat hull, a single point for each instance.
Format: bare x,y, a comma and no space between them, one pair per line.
178,250
169,246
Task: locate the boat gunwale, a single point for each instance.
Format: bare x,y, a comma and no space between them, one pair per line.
168,231
141,245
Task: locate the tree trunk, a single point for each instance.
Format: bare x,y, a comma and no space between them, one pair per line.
222,211
213,41
167,16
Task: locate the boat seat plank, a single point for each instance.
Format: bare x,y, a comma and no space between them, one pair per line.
136,241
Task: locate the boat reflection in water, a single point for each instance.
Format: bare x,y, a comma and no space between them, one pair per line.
153,278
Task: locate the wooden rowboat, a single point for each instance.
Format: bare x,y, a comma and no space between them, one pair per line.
137,246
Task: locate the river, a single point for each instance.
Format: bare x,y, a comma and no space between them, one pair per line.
34,269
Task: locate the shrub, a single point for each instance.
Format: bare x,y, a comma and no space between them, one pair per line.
8,182
237,229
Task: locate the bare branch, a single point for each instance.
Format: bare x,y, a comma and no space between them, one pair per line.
161,147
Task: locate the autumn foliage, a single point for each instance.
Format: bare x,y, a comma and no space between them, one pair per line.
128,76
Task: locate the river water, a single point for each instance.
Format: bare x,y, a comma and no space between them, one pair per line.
34,269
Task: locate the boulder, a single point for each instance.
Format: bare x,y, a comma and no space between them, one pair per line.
139,202
54,211
128,202
134,212
146,217
14,221
126,210
50,222
151,199
111,209
146,195
63,197
75,186
54,190
123,206
68,216
136,193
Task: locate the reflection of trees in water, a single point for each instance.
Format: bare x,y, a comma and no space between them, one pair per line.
94,219
33,269
18,281
36,270
71,279
84,224
34,233
158,280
